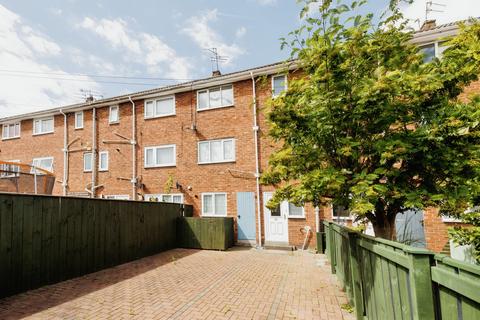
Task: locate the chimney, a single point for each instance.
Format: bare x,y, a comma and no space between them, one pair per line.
428,25
216,73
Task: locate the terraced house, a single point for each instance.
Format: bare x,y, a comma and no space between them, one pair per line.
202,143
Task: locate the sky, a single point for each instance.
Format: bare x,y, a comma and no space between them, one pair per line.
55,52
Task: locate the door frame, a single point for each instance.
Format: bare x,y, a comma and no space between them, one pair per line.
265,224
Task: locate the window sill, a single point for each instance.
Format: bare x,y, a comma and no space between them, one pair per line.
102,170
162,116
342,218
113,122
216,162
12,138
79,128
161,166
213,216
42,133
214,108
293,217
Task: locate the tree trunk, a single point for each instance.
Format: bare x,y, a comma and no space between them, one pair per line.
384,227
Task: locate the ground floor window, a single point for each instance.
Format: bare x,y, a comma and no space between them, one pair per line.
9,170
117,196
214,204
295,212
172,198
340,213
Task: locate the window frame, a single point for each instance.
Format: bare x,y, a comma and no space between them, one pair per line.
273,84
154,100
110,114
77,114
10,175
294,217
154,148
207,90
84,162
160,195
14,124
100,169
338,218
214,194
40,159
43,119
436,46
223,151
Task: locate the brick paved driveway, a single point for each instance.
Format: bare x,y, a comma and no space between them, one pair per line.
192,284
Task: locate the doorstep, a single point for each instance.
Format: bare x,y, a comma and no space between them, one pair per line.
279,246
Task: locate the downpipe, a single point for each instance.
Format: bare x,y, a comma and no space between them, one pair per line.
133,142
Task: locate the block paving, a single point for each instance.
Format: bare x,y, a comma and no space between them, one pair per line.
241,283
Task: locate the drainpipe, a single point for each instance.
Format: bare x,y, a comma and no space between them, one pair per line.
257,166
133,142
317,219
94,151
65,154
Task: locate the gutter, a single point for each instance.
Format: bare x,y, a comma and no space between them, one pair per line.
65,154
257,166
133,142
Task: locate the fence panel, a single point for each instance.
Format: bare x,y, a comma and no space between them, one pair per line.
457,288
46,239
205,233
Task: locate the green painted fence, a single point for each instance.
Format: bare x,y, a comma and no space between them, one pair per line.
205,233
46,239
388,280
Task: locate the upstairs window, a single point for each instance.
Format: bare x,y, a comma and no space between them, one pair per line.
45,163
215,151
214,204
103,161
11,130
279,84
43,125
114,115
79,120
8,170
87,162
161,107
217,97
432,50
161,156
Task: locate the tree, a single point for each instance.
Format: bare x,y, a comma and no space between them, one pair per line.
469,235
371,127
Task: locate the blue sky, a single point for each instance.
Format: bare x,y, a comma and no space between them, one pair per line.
51,50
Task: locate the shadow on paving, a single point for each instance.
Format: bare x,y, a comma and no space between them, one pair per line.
34,301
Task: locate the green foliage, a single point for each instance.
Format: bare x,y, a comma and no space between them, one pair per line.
370,126
468,235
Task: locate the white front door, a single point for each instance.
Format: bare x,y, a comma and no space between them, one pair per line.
276,221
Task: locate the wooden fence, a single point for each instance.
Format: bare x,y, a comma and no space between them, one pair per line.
205,233
388,280
45,239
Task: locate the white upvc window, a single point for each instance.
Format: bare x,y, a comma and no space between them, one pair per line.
117,197
79,120
8,170
165,197
160,156
432,50
214,204
294,211
43,125
114,114
161,107
340,213
11,130
45,163
279,84
216,151
87,162
103,161
217,97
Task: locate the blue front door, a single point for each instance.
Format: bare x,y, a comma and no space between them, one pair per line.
246,215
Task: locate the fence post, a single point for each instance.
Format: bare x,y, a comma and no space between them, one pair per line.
330,246
421,284
356,275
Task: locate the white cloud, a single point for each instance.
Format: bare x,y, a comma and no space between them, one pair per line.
143,48
30,88
241,32
267,2
55,11
453,11
199,30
